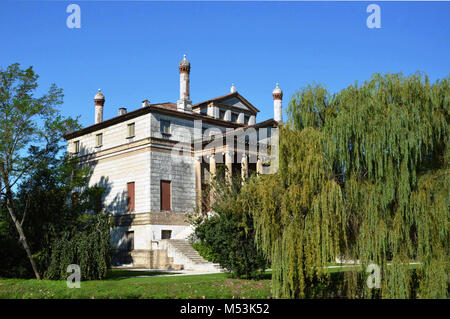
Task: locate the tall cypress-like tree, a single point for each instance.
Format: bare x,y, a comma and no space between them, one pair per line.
364,176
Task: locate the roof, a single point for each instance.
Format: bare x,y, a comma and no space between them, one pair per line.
264,124
166,108
226,97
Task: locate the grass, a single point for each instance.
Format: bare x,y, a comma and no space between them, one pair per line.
124,284
118,287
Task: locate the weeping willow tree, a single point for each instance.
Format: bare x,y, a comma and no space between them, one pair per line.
363,176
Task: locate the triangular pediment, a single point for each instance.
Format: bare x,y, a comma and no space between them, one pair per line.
234,100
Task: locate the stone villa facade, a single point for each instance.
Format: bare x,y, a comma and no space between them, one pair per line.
155,164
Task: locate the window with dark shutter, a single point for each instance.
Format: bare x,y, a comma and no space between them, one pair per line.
165,195
99,140
74,199
166,234
130,197
76,147
129,240
131,130
165,127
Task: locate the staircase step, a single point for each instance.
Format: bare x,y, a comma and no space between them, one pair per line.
191,254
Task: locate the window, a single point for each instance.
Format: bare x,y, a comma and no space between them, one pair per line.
76,146
129,239
165,127
221,114
96,199
131,130
130,197
234,117
166,234
99,139
75,196
165,195
246,119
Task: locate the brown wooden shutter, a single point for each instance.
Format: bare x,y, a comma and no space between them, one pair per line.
165,195
74,199
130,197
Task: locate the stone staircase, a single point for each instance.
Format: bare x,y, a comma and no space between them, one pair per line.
183,253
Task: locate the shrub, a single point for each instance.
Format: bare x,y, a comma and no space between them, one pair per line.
205,251
227,235
87,247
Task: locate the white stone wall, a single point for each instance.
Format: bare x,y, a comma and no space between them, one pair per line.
180,129
115,172
113,135
181,172
145,234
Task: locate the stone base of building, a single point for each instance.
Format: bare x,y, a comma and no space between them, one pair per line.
145,259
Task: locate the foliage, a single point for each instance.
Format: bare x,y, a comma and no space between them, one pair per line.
205,251
363,175
30,128
52,216
87,246
228,233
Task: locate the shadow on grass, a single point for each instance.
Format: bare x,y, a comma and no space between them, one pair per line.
118,274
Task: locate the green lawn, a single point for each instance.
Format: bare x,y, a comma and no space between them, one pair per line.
116,286
132,284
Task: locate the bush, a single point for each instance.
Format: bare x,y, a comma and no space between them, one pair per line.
227,235
88,247
205,251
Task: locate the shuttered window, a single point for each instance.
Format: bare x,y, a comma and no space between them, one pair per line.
74,199
165,127
99,139
165,195
130,197
76,147
130,240
131,130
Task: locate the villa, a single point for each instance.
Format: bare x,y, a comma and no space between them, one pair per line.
156,161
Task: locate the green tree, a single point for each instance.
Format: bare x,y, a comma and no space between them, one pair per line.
363,175
228,234
30,127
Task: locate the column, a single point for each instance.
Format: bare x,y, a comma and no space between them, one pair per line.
244,167
229,165
259,165
198,182
212,174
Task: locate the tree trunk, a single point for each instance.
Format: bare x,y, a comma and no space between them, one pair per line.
22,237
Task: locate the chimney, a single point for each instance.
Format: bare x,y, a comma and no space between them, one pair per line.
122,110
99,100
277,106
184,103
145,103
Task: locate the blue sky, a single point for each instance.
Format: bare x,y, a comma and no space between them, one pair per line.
131,50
